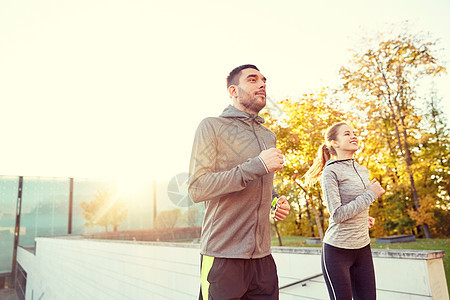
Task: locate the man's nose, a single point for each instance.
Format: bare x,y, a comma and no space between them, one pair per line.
262,84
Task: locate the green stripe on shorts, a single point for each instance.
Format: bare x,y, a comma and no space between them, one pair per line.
207,262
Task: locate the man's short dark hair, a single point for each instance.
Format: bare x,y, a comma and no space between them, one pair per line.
233,77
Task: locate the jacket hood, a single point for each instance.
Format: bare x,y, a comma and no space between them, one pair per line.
233,112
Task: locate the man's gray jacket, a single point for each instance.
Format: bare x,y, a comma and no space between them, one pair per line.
227,174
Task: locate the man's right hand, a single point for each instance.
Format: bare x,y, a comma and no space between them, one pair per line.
272,158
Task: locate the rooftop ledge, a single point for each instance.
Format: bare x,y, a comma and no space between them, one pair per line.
376,253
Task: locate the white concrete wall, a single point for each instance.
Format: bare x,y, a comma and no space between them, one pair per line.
70,268
400,274
65,269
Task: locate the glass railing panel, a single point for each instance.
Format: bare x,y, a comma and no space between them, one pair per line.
8,200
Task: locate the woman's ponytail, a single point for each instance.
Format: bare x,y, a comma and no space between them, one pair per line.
323,155
314,172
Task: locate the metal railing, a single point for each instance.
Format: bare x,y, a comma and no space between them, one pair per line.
300,281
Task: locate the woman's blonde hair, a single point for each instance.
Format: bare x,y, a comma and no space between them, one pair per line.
323,154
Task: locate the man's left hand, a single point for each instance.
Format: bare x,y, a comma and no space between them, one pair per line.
283,208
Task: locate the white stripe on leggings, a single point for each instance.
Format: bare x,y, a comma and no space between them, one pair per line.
326,270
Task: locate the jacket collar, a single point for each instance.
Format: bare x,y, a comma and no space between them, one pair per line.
233,112
333,161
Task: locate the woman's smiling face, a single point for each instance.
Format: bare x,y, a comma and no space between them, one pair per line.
346,140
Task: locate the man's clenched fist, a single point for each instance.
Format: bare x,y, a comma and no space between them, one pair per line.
272,158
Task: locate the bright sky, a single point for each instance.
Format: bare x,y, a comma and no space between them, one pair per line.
117,88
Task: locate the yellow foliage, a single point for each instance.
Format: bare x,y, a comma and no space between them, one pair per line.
424,214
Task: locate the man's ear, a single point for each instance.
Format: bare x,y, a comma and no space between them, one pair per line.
232,90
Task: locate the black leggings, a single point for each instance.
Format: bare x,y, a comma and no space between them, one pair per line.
348,272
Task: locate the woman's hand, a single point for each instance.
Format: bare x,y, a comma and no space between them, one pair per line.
376,188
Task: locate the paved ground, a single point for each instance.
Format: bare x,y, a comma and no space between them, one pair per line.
8,294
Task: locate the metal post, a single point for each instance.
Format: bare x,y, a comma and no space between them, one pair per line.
154,202
69,227
17,231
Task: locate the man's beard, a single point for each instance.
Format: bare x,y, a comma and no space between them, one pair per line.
250,102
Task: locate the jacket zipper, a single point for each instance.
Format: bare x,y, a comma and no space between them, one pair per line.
261,190
353,164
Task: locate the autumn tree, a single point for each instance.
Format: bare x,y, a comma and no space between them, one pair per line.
300,130
168,218
103,210
193,216
380,83
435,146
434,177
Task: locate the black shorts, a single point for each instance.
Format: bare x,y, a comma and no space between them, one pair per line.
231,278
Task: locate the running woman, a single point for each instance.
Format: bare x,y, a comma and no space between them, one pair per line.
347,263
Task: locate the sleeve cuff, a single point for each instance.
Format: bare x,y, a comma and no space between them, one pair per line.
372,195
264,164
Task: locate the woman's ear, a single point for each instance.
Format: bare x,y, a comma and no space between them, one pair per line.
335,144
